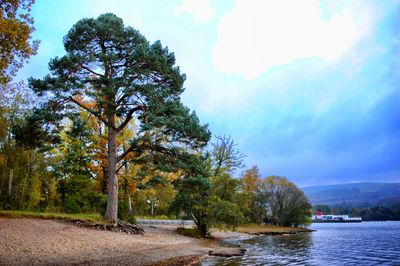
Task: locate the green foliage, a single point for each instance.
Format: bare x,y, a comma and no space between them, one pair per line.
225,202
47,215
193,198
71,167
210,202
225,187
71,204
131,219
123,213
79,197
102,204
147,83
224,213
376,213
35,193
122,210
191,232
24,179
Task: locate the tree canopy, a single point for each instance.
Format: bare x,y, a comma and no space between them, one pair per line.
285,203
16,44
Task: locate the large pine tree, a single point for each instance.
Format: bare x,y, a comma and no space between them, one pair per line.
128,78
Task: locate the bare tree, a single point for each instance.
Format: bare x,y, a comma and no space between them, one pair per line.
226,158
284,202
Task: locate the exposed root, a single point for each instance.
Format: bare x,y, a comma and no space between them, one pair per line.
120,226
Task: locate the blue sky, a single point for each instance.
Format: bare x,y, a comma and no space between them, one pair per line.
309,89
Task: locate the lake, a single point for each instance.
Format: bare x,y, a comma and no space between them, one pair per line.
366,243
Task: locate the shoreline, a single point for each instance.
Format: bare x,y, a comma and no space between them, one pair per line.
273,230
46,241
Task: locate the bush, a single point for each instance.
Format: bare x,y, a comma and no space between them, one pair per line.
132,219
122,210
225,214
191,232
71,205
102,205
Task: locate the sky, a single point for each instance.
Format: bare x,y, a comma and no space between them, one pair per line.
308,89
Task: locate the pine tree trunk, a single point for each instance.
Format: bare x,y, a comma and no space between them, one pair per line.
112,197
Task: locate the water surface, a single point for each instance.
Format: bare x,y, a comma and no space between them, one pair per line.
366,243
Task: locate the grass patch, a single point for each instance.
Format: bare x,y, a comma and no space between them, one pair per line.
95,221
88,217
272,229
157,217
191,232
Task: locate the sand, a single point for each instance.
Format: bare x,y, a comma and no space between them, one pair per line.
30,241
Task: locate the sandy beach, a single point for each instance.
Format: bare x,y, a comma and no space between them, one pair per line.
42,242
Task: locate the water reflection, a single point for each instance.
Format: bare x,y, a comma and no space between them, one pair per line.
277,250
283,249
332,244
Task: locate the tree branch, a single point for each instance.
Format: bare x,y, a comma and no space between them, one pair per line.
91,111
125,153
122,165
129,117
91,71
149,146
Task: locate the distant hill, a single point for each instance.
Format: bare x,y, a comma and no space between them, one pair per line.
366,194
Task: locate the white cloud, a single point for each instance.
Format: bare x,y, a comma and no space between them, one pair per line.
201,10
256,35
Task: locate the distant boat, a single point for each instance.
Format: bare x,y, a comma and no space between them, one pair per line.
330,218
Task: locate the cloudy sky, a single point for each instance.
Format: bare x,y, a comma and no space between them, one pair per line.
309,89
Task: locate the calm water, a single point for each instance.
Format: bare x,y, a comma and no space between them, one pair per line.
366,243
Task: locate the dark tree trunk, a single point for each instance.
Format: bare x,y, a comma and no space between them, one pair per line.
201,224
203,231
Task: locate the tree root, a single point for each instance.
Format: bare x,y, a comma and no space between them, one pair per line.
120,227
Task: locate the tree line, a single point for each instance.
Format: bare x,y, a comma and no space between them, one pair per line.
373,213
106,131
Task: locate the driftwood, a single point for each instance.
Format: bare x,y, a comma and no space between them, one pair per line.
227,252
120,226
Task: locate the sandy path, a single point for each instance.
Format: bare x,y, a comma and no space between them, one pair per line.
37,242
